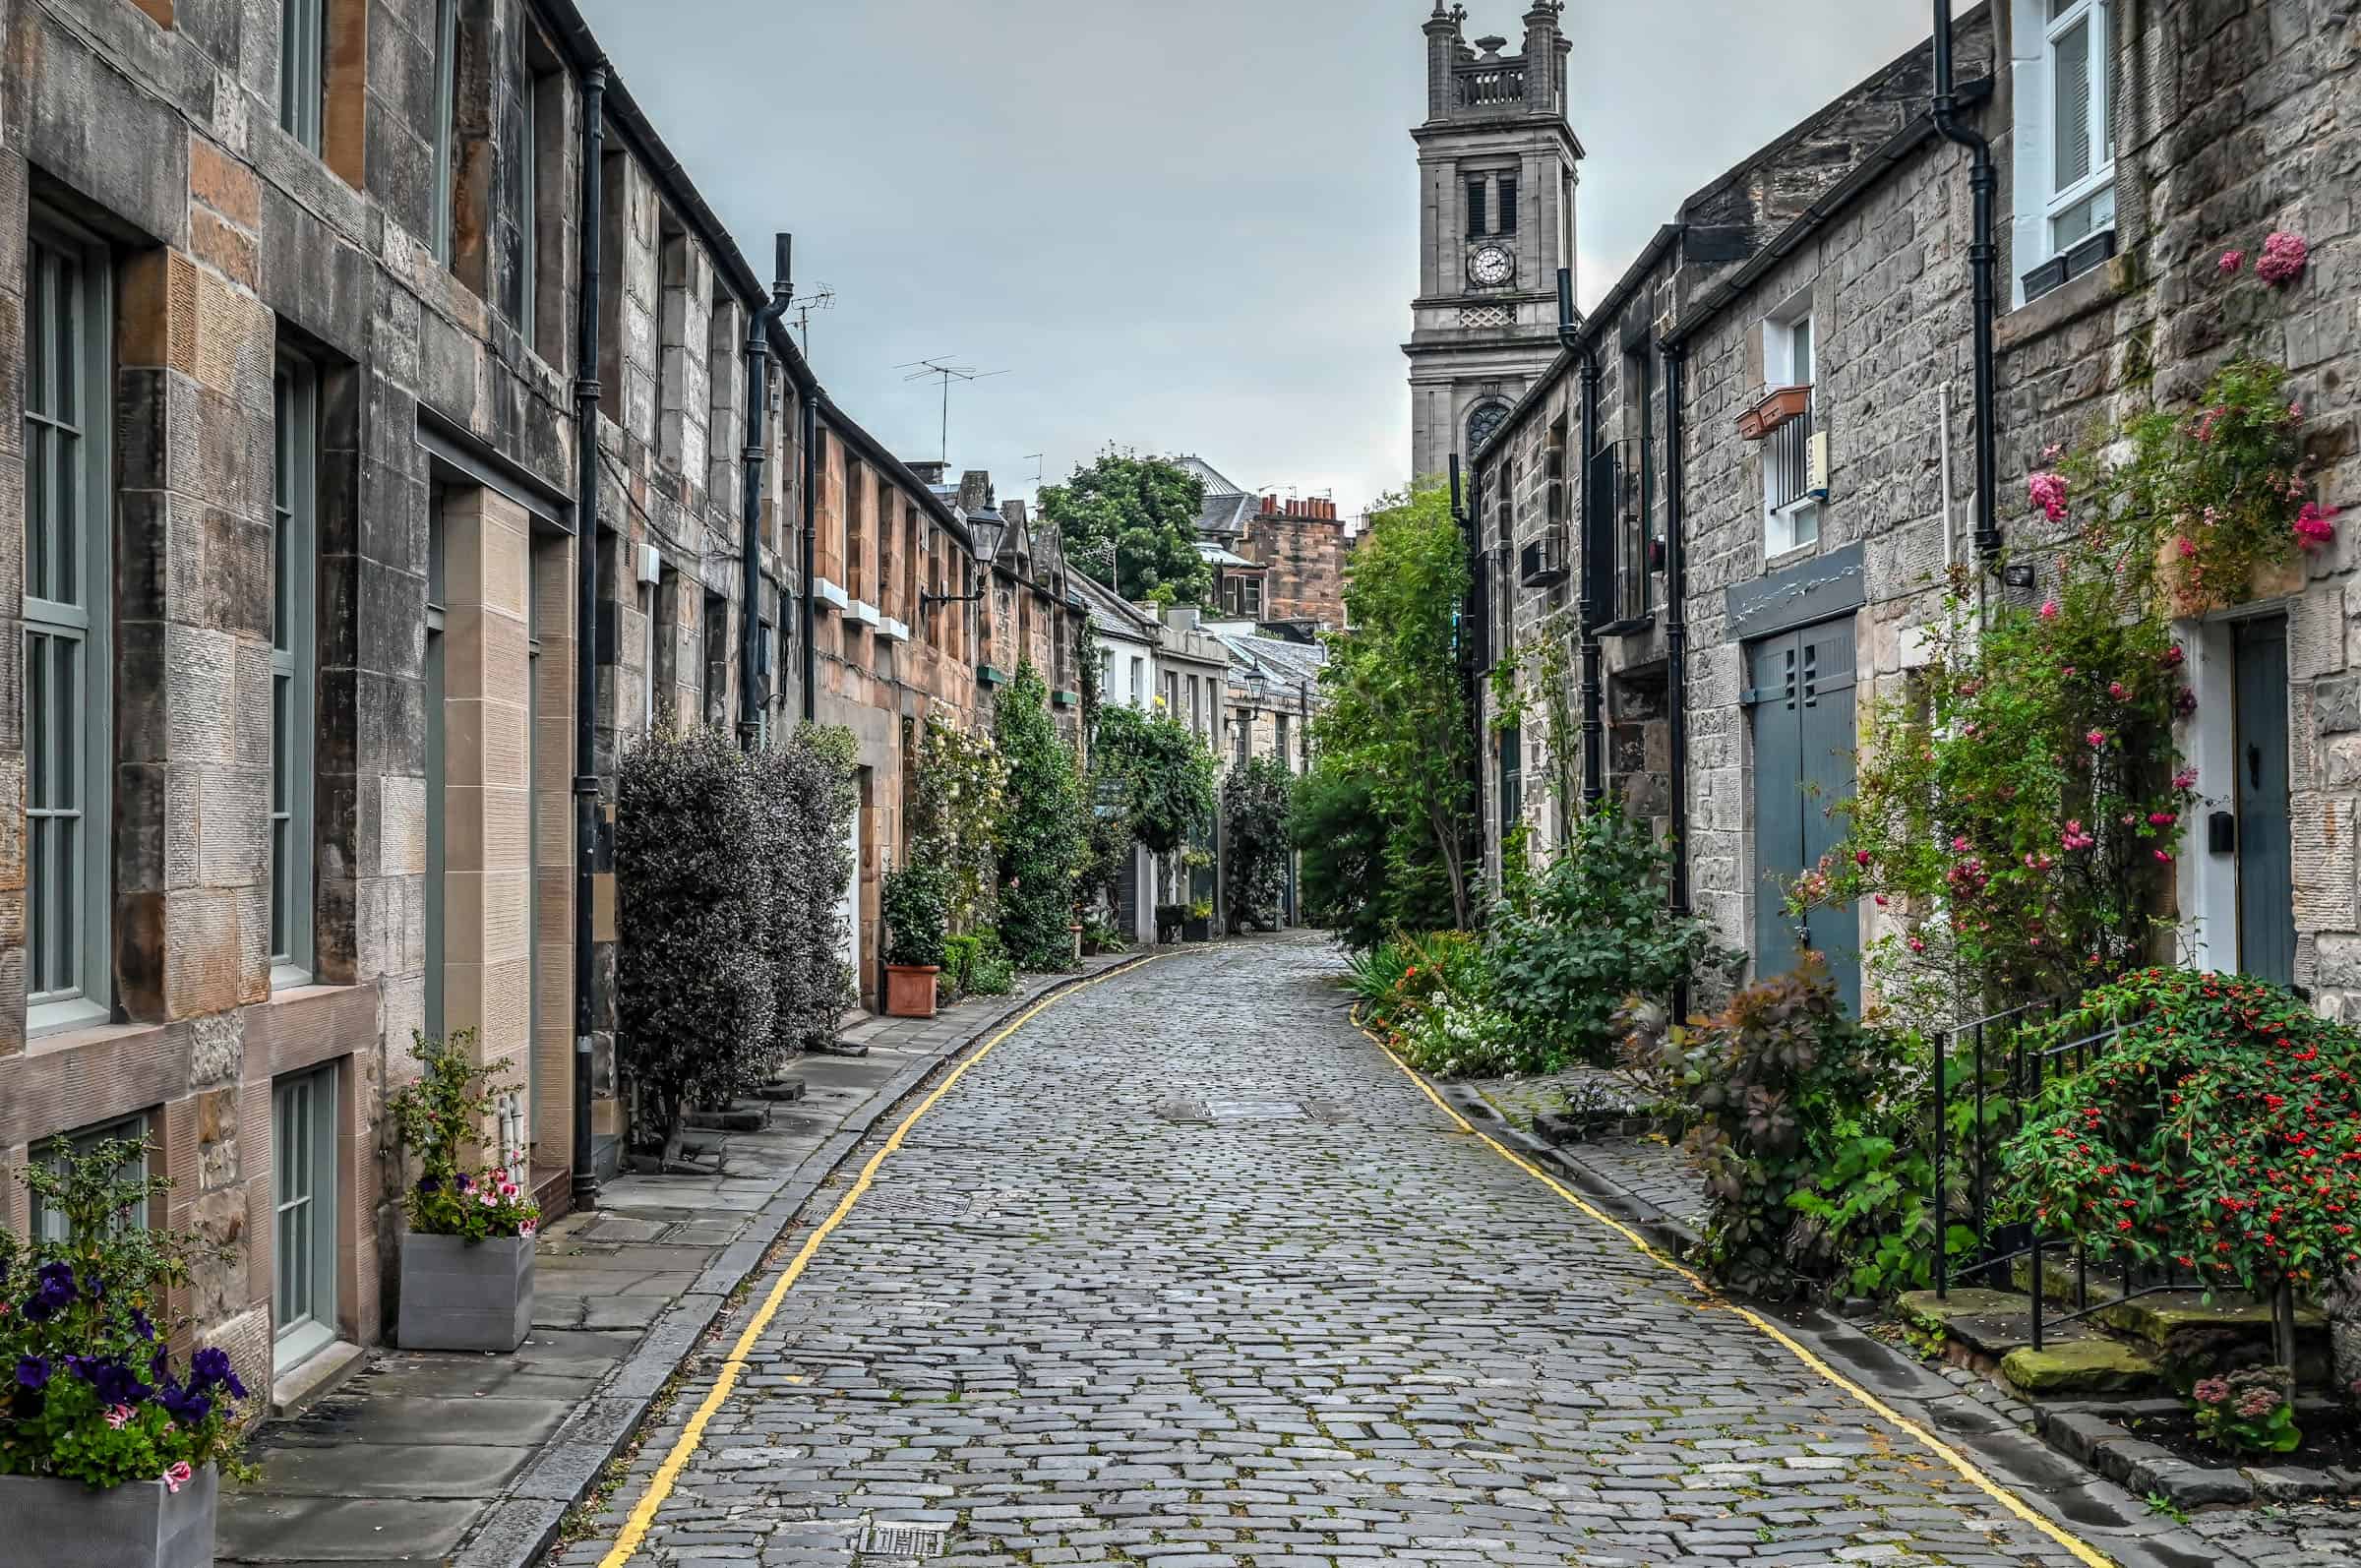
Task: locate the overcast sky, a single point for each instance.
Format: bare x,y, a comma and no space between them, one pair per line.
1178,225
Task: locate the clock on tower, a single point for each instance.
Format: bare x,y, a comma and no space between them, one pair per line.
1497,177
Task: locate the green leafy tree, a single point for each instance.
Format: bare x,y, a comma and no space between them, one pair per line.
1396,715
1254,838
1161,772
1147,508
1043,834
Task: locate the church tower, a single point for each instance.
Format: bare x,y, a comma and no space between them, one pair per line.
1496,175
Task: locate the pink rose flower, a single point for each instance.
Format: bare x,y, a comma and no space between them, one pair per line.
2185,779
2284,258
2049,608
2048,492
2315,525
2164,856
2097,739
2115,689
2231,261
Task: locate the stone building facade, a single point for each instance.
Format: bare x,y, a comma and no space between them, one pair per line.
291,660
1824,293
1301,546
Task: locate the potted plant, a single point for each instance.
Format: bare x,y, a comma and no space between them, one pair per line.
109,1454
468,1254
916,909
1170,918
1198,926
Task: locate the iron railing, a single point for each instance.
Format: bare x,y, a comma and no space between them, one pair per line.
1987,1075
1789,452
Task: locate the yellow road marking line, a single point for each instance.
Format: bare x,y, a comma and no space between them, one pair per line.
2083,1550
668,1473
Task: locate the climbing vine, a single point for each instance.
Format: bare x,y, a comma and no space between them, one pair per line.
1538,674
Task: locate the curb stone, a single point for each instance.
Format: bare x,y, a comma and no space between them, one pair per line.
517,1529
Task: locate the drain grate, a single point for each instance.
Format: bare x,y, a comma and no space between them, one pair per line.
908,1542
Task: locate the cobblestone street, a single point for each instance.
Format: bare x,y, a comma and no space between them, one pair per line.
1185,1271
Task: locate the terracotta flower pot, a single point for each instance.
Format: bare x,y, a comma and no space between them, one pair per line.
910,990
145,1523
1779,405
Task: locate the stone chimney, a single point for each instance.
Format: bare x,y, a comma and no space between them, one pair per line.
929,472
975,490
1013,509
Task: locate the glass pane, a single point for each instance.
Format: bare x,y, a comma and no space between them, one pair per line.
64,320
1801,339
2071,60
41,286
65,559
66,726
36,508
64,926
37,715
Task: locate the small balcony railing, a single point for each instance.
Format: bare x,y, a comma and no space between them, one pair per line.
1490,85
1788,451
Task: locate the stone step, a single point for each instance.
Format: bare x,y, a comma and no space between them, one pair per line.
2074,1358
2184,1328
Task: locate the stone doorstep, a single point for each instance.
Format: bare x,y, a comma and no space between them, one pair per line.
316,1379
2093,1433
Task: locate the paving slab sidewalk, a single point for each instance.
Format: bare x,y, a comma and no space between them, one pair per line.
473,1460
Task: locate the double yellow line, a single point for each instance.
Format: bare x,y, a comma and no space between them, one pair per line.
668,1473
2083,1550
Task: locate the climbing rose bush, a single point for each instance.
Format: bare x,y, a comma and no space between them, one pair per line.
2218,1131
2014,813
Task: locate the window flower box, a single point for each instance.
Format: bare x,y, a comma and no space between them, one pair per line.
142,1524
1777,407
458,1294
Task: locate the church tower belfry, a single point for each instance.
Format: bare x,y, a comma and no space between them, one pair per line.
1496,178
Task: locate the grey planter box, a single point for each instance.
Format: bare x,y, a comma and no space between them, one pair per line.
63,1524
455,1297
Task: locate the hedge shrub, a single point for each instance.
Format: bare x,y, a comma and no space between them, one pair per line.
729,868
1043,836
697,991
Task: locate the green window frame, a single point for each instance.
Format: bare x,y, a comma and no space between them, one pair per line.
304,1189
68,657
303,69
294,667
48,1224
447,94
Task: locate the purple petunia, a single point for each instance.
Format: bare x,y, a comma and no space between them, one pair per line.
32,1371
211,1369
189,1404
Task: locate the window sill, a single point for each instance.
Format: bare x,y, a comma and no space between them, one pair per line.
2064,305
68,1022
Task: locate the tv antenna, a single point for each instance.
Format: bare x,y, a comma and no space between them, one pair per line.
1037,458
820,298
946,373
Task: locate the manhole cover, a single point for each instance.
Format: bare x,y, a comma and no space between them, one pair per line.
1254,1109
909,1542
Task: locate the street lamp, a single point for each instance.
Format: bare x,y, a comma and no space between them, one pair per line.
986,529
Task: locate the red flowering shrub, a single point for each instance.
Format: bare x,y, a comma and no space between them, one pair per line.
2220,1130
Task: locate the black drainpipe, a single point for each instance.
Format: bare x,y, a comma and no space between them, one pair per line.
585,627
1593,609
811,398
749,533
1677,634
1984,256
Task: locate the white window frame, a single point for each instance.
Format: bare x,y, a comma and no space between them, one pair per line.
2039,203
304,1129
48,1225
294,667
303,70
70,736
1796,525
446,44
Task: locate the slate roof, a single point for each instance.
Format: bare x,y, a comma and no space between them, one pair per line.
1227,507
1283,663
